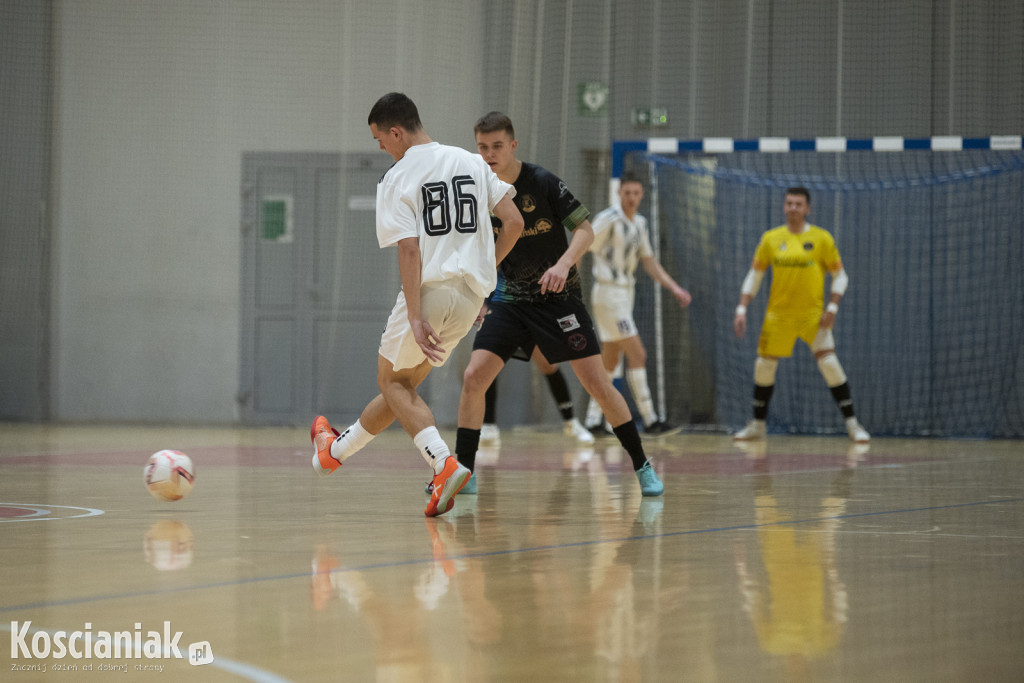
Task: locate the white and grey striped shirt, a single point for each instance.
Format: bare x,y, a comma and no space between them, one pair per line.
618,246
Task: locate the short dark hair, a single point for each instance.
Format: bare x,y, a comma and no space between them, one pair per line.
395,109
802,191
492,122
630,178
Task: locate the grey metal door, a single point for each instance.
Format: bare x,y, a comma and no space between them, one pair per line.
316,289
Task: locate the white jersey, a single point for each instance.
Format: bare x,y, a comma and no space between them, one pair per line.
619,244
443,195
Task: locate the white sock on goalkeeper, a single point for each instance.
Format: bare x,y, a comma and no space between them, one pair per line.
831,370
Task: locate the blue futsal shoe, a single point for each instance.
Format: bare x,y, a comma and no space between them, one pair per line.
650,485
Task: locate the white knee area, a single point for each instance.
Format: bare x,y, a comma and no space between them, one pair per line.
823,341
764,371
831,370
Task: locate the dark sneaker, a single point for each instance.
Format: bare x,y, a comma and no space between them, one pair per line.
661,428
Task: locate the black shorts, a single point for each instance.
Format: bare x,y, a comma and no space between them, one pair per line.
561,328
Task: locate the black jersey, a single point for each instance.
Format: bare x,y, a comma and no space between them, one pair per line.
548,209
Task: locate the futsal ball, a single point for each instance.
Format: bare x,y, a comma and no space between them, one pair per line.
169,475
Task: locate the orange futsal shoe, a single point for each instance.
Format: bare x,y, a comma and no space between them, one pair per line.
451,480
323,435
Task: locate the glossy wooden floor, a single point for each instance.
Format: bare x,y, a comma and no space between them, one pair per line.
803,560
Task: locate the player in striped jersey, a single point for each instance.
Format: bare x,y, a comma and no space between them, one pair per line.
621,243
800,254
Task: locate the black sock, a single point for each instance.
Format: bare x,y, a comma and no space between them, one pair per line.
560,390
467,441
491,403
629,437
841,394
762,395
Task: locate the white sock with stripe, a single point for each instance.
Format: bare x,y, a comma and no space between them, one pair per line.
432,447
350,441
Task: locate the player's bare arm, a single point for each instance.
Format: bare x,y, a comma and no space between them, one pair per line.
409,266
661,276
511,227
553,279
751,283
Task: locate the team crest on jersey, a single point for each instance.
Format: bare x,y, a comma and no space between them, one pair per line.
569,323
808,246
528,205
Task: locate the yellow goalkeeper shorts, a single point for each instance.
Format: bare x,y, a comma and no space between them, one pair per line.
779,335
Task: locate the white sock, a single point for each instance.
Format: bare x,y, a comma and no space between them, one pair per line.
350,441
593,417
432,447
636,378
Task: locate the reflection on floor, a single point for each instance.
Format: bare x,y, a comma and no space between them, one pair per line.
795,558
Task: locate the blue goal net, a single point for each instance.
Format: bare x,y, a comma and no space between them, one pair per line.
931,330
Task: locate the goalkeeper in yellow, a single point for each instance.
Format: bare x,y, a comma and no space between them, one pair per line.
800,254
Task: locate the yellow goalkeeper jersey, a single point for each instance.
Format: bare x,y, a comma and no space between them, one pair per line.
799,263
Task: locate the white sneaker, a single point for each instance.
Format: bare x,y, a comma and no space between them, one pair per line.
857,432
577,431
490,435
755,429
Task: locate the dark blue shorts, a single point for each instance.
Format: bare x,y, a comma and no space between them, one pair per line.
561,328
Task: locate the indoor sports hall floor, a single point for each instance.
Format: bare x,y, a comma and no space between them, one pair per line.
804,560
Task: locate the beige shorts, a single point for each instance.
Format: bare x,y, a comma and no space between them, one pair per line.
451,308
612,309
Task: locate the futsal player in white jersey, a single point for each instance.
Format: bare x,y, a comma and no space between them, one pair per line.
621,243
434,204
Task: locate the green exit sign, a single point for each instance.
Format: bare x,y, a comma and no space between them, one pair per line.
650,117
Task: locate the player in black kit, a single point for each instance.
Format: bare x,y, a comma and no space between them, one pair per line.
538,302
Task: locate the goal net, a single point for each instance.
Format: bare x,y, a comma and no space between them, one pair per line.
931,330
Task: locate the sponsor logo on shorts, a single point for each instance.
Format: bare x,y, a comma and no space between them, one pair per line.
577,342
569,323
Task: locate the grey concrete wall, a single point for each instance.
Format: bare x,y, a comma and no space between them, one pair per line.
154,102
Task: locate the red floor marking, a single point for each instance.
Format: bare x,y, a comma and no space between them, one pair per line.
16,512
